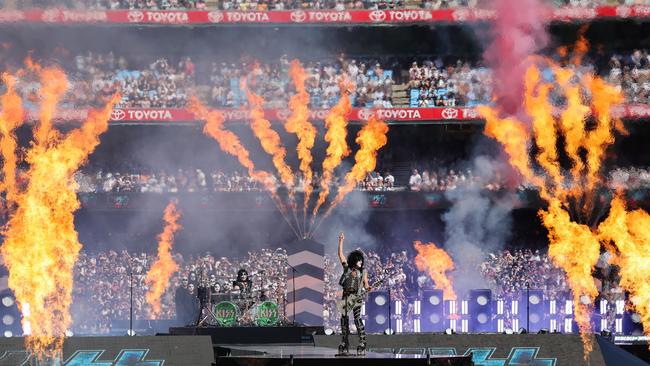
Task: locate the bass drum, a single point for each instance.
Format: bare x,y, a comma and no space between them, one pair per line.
226,313
266,314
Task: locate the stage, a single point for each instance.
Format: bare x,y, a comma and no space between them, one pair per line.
315,349
310,346
301,354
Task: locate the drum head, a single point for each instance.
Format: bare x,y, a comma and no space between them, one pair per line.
267,314
226,313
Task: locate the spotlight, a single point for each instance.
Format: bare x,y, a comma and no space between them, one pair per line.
8,334
329,331
69,333
7,319
542,331
449,331
130,332
522,330
7,301
389,331
508,331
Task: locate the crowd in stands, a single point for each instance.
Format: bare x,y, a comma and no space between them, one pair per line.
101,292
196,180
632,73
263,5
630,178
372,83
241,5
102,281
434,84
430,82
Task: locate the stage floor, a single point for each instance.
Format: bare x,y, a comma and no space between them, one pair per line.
299,351
310,355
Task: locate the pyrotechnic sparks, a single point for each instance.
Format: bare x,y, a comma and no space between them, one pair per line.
571,216
298,123
371,138
165,266
336,123
437,263
230,144
630,232
41,245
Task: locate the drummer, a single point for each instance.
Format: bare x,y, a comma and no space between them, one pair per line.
243,284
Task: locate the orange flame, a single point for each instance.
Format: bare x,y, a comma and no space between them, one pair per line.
574,246
41,245
269,139
162,270
229,142
298,123
336,123
10,119
437,262
630,231
370,139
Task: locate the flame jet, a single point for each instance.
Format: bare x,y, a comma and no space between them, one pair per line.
41,246
571,194
165,266
437,263
298,123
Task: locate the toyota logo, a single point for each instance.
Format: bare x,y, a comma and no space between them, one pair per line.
365,114
378,16
117,115
215,16
298,16
449,113
135,16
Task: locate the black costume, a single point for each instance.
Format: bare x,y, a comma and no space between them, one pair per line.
353,291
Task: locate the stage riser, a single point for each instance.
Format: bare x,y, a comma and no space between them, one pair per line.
506,349
150,351
252,335
343,361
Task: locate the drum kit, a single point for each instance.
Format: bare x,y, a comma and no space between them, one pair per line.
236,309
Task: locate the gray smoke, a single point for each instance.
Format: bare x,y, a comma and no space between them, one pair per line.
478,222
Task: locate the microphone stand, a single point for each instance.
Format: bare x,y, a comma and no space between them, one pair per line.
293,290
390,327
131,333
528,307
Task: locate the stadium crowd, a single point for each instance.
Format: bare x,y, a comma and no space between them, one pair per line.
430,81
196,180
102,281
263,5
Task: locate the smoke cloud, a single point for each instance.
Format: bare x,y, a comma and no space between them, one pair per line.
518,32
477,221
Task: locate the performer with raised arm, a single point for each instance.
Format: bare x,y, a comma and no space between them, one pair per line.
354,282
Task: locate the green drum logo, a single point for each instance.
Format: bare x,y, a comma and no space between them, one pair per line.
267,314
226,313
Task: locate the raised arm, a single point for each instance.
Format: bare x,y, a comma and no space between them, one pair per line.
341,256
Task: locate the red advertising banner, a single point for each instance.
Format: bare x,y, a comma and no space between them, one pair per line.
179,17
391,115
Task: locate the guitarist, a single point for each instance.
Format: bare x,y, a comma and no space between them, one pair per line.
354,282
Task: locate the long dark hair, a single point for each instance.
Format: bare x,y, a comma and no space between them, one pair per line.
354,257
